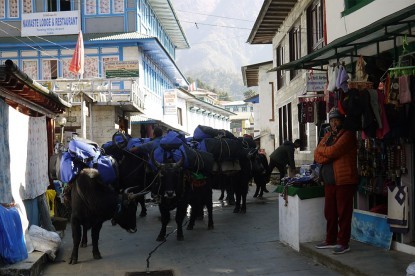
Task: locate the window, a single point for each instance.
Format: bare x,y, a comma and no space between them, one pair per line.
90,7
58,5
118,6
244,109
285,123
13,9
280,61
49,69
295,47
27,6
353,5
235,109
91,67
103,6
179,116
30,68
315,34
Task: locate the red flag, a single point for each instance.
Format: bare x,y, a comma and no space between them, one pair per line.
77,62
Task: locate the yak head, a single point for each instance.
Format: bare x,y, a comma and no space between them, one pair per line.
125,214
170,176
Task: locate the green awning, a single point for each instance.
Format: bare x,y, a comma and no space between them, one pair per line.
366,39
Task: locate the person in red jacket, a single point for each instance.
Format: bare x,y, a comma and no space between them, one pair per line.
337,154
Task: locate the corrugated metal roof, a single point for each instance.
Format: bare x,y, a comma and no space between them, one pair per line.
269,20
250,73
115,36
168,19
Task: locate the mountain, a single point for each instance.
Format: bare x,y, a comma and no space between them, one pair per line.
217,31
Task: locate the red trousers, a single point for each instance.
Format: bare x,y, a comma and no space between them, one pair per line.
338,210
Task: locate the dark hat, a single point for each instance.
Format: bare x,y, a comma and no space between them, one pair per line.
335,113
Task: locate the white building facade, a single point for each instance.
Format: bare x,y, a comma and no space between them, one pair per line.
310,38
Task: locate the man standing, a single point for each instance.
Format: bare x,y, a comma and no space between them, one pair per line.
283,156
337,154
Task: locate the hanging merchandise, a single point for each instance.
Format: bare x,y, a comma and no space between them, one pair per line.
342,78
398,209
333,78
309,112
394,91
360,70
404,90
381,164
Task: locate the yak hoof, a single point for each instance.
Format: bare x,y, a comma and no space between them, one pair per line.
180,238
189,227
73,261
243,210
83,244
143,213
113,222
236,210
161,238
97,256
210,226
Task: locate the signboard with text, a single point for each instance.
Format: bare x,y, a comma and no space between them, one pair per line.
121,69
50,23
316,81
170,102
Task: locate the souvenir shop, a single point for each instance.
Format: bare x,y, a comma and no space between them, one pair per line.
371,79
377,96
380,108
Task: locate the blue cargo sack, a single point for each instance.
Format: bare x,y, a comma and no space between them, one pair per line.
172,140
135,142
69,168
12,243
83,150
107,168
163,156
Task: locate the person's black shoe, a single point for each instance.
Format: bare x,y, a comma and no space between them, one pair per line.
255,195
266,191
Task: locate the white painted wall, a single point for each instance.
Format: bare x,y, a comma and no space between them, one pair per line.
264,109
338,26
295,87
301,220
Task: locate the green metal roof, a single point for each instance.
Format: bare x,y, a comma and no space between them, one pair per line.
386,29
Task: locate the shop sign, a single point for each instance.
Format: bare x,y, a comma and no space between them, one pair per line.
170,102
121,69
50,23
316,81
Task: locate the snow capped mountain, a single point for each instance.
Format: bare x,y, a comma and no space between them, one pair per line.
217,31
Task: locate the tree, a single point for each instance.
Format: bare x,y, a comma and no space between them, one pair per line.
223,96
249,93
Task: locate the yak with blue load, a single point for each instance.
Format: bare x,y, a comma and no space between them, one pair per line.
94,195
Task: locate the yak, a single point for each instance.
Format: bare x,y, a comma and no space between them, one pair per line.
93,202
132,167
